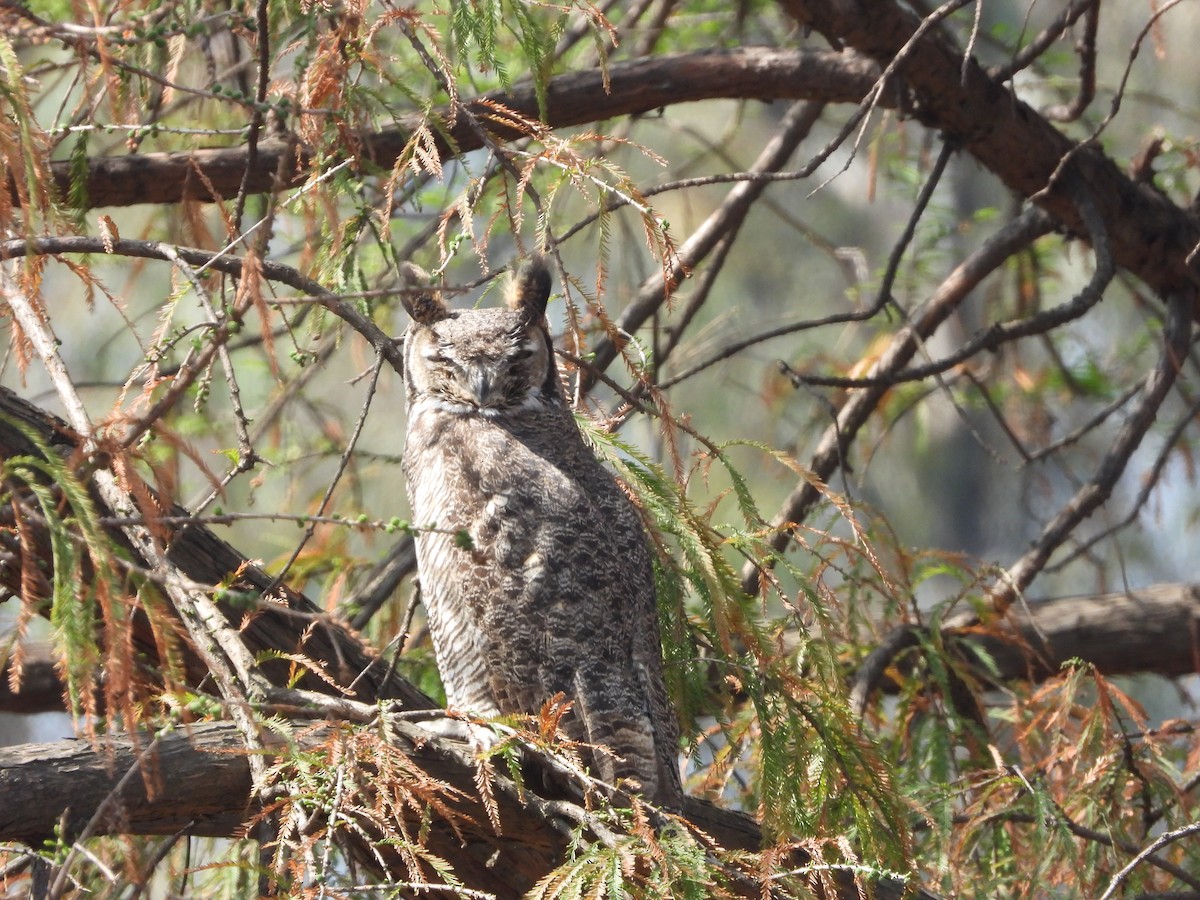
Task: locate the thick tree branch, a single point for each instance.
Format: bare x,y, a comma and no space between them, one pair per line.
198,780
1151,236
576,98
1154,630
65,783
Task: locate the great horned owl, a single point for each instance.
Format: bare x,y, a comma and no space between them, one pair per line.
555,590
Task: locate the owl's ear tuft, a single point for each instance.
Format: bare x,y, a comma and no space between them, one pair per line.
530,289
425,306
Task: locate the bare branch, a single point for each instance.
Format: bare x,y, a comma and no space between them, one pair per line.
722,225
882,298
1149,482
1087,69
42,781
1025,57
1155,630
1148,851
1177,336
860,404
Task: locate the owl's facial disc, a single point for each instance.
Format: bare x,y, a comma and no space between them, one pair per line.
486,370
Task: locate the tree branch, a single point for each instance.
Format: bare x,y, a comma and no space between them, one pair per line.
1089,497
1150,236
860,404
723,224
67,781
39,687
576,98
222,262
1154,630
290,622
48,786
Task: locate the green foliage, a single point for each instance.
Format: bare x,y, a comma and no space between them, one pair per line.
638,863
86,591
816,772
487,33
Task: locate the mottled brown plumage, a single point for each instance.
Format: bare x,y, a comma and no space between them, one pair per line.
556,592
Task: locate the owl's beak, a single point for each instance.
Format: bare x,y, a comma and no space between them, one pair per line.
481,385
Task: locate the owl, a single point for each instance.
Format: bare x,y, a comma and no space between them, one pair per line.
554,589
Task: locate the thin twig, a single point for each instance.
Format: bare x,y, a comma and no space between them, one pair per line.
247,456
721,225
860,404
310,530
1078,434
1155,387
1148,482
222,262
991,338
875,96
262,36
1087,70
1029,52
1157,844
882,297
